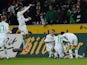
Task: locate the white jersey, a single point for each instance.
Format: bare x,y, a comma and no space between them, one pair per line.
49,38
72,38
58,46
4,29
49,42
21,18
58,40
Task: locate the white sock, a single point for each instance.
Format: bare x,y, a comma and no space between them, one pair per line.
50,54
70,53
76,52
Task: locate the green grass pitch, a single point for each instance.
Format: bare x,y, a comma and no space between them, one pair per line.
43,61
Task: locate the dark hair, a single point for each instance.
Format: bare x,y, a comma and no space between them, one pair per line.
62,33
18,8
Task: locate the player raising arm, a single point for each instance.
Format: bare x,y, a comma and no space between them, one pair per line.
22,20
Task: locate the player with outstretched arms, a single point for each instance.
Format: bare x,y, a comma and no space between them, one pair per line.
4,30
50,42
22,20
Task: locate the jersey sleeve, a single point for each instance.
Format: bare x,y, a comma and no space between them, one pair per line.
7,28
65,38
26,19
22,12
49,39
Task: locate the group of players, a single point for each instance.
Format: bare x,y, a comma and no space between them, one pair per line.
4,28
60,46
54,44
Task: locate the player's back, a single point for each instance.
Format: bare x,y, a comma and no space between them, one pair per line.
3,29
58,40
69,35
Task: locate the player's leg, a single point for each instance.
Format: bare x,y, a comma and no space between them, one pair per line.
66,50
5,48
70,53
56,52
24,33
61,52
49,49
70,49
2,45
76,49
24,29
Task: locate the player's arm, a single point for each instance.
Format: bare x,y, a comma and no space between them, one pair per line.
22,12
27,19
48,40
7,29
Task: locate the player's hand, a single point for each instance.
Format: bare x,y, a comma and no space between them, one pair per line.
9,32
29,18
31,5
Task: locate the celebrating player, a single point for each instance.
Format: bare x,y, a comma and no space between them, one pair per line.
73,41
4,29
59,46
50,42
22,20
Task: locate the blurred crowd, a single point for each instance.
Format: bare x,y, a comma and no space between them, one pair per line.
48,11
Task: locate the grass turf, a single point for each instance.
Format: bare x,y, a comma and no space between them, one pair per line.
43,61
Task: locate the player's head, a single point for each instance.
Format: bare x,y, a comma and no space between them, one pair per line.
20,8
3,18
52,31
62,33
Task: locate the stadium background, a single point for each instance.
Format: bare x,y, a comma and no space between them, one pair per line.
37,48
37,30
35,42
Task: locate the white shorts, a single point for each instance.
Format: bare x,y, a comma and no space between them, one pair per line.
49,46
59,50
23,29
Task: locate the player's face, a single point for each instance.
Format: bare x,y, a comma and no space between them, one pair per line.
52,32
